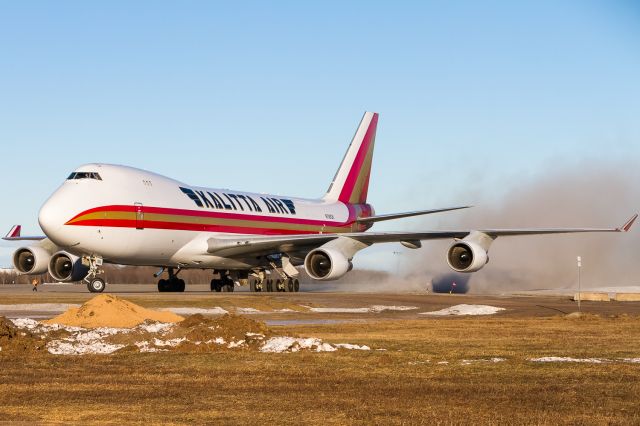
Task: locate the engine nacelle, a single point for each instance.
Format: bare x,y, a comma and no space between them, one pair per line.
66,267
467,256
31,260
326,264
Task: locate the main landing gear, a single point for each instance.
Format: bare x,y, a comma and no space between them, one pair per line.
224,283
275,285
275,279
173,284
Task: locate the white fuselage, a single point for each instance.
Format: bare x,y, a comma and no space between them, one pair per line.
131,216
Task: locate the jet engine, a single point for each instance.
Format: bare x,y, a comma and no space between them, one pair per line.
326,264
467,256
31,260
66,267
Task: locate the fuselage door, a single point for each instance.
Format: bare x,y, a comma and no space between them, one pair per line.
139,216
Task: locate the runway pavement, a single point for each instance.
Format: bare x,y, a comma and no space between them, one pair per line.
303,305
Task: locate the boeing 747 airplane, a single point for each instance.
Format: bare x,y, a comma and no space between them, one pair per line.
122,215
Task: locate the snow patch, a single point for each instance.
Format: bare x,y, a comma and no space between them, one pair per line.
371,309
380,308
59,347
340,310
144,347
82,341
352,347
249,311
170,342
568,359
294,344
465,309
38,307
28,323
155,327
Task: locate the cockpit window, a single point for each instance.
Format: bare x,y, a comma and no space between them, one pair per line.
84,175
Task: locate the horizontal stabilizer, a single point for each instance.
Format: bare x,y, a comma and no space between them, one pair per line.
380,218
14,235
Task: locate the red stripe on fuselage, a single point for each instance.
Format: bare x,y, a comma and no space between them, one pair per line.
222,215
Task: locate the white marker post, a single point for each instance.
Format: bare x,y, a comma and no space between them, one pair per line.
397,254
579,284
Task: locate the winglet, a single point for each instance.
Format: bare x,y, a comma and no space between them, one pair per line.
628,224
13,233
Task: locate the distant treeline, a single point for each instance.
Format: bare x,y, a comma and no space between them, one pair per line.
115,275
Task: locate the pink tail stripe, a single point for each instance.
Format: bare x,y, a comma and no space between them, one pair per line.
356,168
15,232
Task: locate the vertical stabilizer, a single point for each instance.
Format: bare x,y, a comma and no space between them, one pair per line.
351,182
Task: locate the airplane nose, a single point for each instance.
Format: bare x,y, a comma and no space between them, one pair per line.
51,216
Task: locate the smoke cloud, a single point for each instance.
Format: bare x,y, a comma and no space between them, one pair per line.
590,194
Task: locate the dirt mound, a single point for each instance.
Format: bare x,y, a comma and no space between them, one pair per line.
106,310
13,339
228,327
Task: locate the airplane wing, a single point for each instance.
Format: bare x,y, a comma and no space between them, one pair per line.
252,245
14,234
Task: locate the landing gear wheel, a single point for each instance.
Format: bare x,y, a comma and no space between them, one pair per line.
180,286
96,285
289,285
216,285
228,285
296,285
163,286
269,286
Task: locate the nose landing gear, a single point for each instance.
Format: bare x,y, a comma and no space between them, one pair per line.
95,284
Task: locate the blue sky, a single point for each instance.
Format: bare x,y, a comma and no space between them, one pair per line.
264,96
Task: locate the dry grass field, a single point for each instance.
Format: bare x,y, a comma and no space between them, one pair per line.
407,383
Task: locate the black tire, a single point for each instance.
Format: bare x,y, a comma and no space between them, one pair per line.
216,285
279,286
96,285
269,285
229,285
163,286
289,284
296,285
181,286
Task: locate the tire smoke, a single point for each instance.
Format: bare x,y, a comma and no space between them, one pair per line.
590,194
